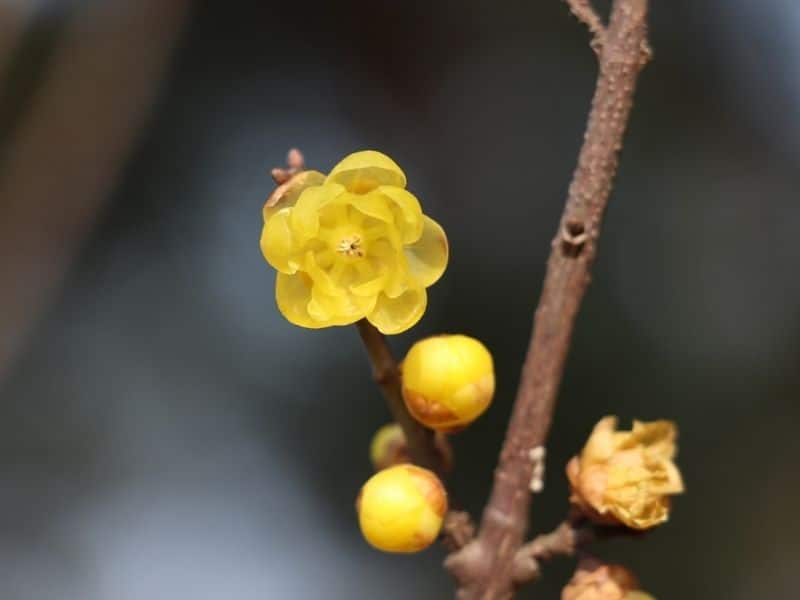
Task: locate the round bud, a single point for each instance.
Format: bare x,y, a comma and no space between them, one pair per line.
401,509
448,381
388,447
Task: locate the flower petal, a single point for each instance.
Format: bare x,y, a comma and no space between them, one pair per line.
395,315
286,194
338,310
394,262
362,172
305,214
278,244
407,210
372,205
293,294
427,257
320,278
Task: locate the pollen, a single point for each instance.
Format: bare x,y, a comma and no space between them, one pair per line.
351,245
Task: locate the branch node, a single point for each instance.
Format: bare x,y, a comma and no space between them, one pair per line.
573,237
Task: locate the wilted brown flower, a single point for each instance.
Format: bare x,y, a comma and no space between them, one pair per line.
626,477
594,580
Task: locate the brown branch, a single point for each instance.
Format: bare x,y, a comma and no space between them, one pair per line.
568,539
421,441
564,540
485,567
458,530
586,13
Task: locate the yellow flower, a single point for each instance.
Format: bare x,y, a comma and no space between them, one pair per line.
626,477
353,245
594,580
401,509
448,381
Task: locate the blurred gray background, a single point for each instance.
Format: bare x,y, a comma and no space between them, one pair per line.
165,434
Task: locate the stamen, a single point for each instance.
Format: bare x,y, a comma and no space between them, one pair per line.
351,246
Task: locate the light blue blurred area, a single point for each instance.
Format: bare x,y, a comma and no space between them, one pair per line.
164,433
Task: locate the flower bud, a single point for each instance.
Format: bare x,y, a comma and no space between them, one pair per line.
594,580
626,477
401,509
388,447
448,381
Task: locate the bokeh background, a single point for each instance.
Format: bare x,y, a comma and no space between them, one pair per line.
165,434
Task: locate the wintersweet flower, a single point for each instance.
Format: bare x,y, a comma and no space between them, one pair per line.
353,245
626,477
594,580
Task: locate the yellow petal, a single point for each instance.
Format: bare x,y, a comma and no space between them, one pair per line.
600,445
370,287
427,257
293,294
320,278
395,315
278,244
363,171
372,205
305,214
338,310
657,436
394,262
286,194
407,210
305,305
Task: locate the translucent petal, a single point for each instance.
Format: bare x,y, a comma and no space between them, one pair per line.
286,194
338,310
427,257
395,315
305,214
372,205
293,294
363,171
408,211
320,278
278,244
393,261
371,287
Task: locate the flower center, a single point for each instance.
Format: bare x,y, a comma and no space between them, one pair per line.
351,245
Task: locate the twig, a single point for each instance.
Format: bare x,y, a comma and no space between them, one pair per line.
485,567
586,13
458,530
421,442
564,540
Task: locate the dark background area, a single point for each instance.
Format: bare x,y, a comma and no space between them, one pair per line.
165,434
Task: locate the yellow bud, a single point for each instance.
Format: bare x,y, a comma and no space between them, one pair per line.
401,509
388,447
448,381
